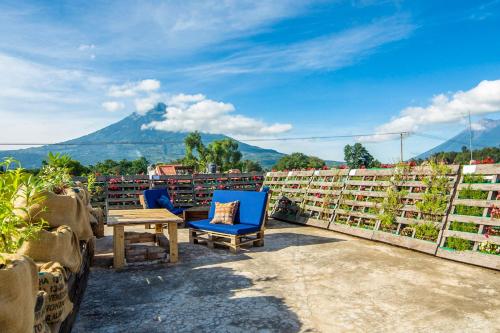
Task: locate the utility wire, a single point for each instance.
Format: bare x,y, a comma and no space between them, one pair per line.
172,142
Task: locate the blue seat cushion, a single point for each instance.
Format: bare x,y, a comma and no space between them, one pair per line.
232,229
165,202
151,197
252,206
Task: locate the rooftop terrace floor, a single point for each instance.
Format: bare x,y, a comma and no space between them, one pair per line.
303,280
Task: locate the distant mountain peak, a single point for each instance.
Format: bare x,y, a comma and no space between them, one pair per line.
485,133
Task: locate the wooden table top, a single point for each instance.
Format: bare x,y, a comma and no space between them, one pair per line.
141,216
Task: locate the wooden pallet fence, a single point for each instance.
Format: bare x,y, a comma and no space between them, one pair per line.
123,192
275,182
180,188
357,210
472,232
413,229
322,196
245,181
292,195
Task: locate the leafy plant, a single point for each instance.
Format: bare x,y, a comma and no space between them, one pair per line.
488,247
468,210
474,179
55,175
15,182
427,231
469,193
434,200
394,201
458,244
464,227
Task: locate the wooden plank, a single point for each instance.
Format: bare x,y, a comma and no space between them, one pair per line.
118,246
471,257
141,216
475,219
173,242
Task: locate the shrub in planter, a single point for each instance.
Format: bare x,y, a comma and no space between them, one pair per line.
469,193
464,227
18,292
474,179
427,231
469,210
434,200
14,230
458,244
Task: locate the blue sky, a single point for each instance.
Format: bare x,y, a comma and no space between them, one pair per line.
252,69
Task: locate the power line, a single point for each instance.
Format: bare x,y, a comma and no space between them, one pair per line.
176,142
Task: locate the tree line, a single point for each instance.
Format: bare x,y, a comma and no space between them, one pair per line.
226,155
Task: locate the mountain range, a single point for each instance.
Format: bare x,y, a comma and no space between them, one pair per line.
155,145
485,133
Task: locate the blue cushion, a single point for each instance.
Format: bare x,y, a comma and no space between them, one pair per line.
150,197
251,209
165,202
232,229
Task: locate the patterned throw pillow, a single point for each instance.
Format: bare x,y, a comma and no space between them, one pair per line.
225,212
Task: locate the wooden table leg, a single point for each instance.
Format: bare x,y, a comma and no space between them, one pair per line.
118,246
174,248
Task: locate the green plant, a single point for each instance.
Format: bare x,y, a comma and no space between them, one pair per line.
434,200
15,183
458,244
55,175
393,203
468,210
464,227
488,247
469,193
426,231
474,179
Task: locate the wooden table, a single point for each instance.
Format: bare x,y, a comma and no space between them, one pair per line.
121,218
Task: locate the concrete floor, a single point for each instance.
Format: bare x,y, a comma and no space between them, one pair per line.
303,280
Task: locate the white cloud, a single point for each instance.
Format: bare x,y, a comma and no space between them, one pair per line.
444,108
85,47
196,112
131,89
143,105
113,106
328,52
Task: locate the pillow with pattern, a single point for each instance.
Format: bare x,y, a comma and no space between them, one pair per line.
225,212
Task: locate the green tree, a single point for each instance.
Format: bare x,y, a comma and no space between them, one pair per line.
357,156
225,154
250,166
298,161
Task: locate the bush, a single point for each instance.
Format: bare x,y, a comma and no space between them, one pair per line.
426,231
469,210
458,244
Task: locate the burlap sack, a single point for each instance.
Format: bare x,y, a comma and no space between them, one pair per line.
80,192
41,325
66,209
98,215
59,245
18,290
53,280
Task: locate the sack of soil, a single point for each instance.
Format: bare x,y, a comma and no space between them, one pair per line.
59,209
60,245
41,325
53,280
98,215
18,290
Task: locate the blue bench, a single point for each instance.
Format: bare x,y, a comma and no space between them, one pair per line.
248,225
151,200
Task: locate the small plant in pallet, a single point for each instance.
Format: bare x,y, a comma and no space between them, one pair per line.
394,201
468,210
474,179
434,200
427,231
490,248
459,244
469,193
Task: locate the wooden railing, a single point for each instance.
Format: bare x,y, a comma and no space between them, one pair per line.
350,201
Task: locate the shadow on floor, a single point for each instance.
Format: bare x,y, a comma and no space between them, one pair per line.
180,299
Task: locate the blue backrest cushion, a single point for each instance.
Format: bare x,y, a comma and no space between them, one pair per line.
150,197
251,209
164,202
